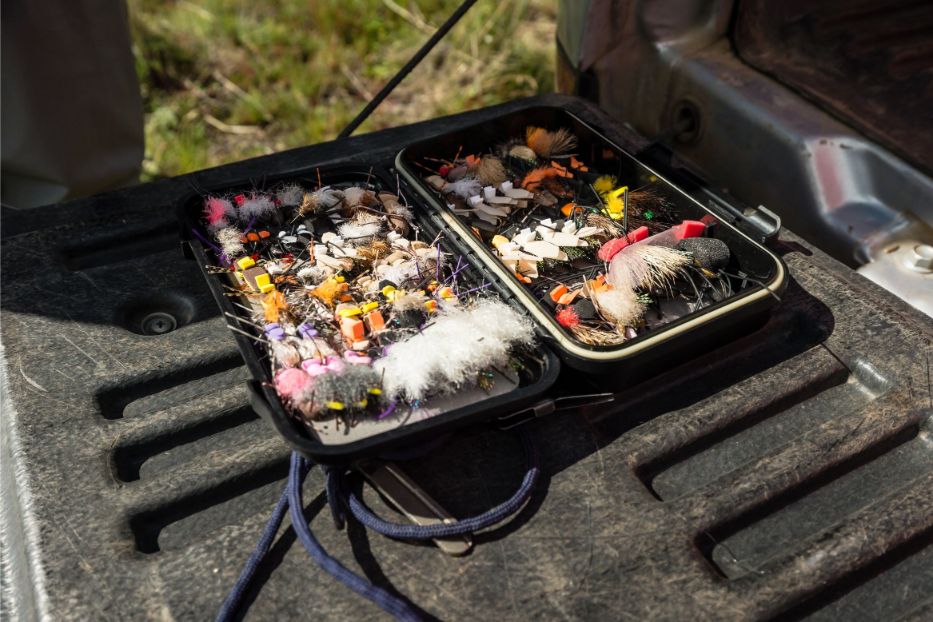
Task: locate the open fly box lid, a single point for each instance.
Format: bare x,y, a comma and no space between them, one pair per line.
331,440
581,178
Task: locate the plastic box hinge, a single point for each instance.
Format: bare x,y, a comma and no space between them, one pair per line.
549,406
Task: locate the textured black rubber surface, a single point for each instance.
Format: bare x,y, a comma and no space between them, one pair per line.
787,474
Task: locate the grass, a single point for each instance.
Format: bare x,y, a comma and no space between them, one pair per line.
224,80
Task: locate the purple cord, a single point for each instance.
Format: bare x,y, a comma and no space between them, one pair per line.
470,291
457,270
388,411
250,225
220,253
216,248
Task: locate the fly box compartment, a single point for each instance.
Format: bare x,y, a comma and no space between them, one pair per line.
364,324
624,271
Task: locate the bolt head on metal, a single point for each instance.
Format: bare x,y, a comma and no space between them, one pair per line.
921,257
159,323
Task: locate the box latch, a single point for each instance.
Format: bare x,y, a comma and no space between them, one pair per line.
758,222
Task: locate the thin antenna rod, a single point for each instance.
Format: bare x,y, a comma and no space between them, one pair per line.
404,71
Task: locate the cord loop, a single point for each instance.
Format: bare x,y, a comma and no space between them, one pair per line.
338,499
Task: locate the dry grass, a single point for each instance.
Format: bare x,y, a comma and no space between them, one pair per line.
225,80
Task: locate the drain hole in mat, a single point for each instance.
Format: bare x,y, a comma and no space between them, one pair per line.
156,313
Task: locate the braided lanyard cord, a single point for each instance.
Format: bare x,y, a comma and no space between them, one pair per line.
443,530
339,498
234,599
394,605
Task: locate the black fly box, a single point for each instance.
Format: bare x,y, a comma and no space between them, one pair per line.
332,281
269,303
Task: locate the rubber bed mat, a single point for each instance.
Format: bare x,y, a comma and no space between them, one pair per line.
787,474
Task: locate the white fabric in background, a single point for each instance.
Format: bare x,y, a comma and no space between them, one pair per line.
72,117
